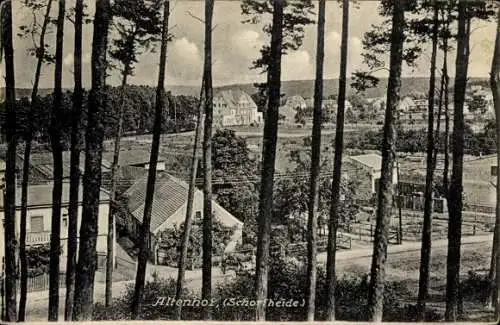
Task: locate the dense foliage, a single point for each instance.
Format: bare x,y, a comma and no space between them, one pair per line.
170,242
234,172
38,258
138,113
291,195
476,143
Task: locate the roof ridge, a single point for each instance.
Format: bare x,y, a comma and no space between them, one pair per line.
178,181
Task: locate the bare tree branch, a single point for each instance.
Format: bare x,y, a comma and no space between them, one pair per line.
195,17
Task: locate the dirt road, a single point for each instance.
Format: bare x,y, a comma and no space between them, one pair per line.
37,302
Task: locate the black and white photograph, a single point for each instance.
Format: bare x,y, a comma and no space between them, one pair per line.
250,160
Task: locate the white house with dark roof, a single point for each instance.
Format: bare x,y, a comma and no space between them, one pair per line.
235,107
40,215
169,209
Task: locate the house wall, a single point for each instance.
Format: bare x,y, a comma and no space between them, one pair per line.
366,179
220,213
376,175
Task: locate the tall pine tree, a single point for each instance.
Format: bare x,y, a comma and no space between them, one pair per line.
315,166
206,289
337,167
41,56
57,152
144,240
87,254
385,190
10,171
76,147
455,203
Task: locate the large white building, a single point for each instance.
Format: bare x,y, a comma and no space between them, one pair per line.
235,107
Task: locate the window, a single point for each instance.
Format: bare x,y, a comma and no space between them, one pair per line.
36,224
65,220
198,215
377,184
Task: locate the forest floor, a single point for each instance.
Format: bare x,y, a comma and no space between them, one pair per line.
403,266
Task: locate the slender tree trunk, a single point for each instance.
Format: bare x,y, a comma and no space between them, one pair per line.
437,136
337,167
455,189
425,253
26,168
22,232
57,150
385,191
189,206
268,160
144,239
446,149
112,196
206,289
76,144
87,254
312,223
496,234
495,89
10,161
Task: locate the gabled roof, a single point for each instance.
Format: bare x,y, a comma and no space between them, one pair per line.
170,195
232,97
296,101
371,160
131,157
41,195
43,162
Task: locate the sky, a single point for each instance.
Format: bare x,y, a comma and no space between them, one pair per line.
235,46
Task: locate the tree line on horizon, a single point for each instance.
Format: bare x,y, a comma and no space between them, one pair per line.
142,25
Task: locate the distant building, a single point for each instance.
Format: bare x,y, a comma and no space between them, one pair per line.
234,107
421,105
329,107
366,170
169,209
377,103
289,109
407,105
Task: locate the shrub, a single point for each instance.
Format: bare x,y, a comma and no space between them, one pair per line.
475,287
287,281
150,310
171,239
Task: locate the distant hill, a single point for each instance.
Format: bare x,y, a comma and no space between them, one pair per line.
304,88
